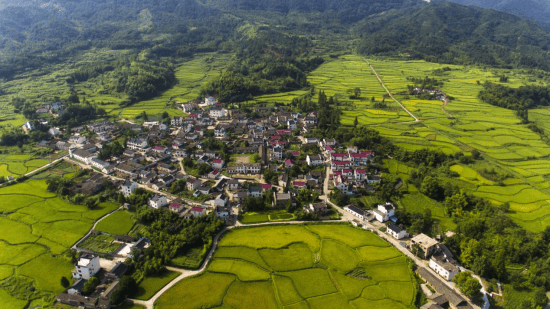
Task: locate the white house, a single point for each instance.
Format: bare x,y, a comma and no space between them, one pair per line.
218,164
311,140
339,165
83,155
440,265
221,200
77,139
218,112
54,132
128,188
255,191
314,160
396,232
233,184
27,127
277,153
360,174
384,212
356,211
175,207
198,211
86,267
101,165
223,212
137,143
158,201
210,101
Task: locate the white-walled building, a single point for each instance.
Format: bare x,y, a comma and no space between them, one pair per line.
128,188
315,160
83,156
86,267
210,101
384,212
356,211
218,112
440,265
396,232
158,201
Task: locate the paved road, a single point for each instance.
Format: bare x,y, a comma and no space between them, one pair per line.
390,94
149,304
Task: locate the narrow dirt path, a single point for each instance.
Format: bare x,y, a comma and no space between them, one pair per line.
390,94
445,102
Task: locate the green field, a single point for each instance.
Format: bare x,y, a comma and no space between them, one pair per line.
152,284
508,146
266,216
299,266
36,228
118,223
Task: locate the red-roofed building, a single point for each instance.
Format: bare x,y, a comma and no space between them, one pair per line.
214,174
295,153
300,184
266,186
329,149
360,174
217,163
338,156
339,165
159,149
284,132
359,158
347,172
197,211
175,207
276,137
288,163
193,116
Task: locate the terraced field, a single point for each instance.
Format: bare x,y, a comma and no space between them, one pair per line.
299,266
191,76
36,228
19,164
508,146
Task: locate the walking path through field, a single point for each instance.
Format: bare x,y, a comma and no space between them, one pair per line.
445,102
389,93
40,168
75,246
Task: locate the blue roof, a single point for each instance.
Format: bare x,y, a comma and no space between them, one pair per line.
393,218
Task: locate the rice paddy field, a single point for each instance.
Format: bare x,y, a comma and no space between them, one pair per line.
19,164
464,124
191,76
299,266
36,229
118,223
266,216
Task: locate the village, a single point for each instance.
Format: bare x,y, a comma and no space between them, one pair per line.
214,161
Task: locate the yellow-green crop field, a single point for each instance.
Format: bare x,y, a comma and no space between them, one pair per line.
299,266
507,144
36,228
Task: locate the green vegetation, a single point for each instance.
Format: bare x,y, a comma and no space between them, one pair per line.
152,284
285,265
100,243
266,216
118,223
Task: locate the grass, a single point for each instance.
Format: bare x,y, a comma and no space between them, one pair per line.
296,266
191,260
118,223
152,284
19,254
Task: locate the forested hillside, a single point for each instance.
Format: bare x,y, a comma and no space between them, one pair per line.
533,9
450,33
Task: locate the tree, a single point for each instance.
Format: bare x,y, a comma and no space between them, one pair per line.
355,122
469,285
65,282
357,92
430,187
90,285
476,154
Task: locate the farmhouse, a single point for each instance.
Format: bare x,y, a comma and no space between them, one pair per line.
356,211
86,267
314,160
440,265
385,212
158,201
221,200
198,211
223,212
128,188
175,207
396,232
83,156
317,208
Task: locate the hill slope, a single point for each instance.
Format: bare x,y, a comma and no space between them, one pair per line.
453,33
533,9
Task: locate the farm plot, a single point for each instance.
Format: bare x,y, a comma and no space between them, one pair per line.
299,266
266,216
118,223
152,284
36,229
